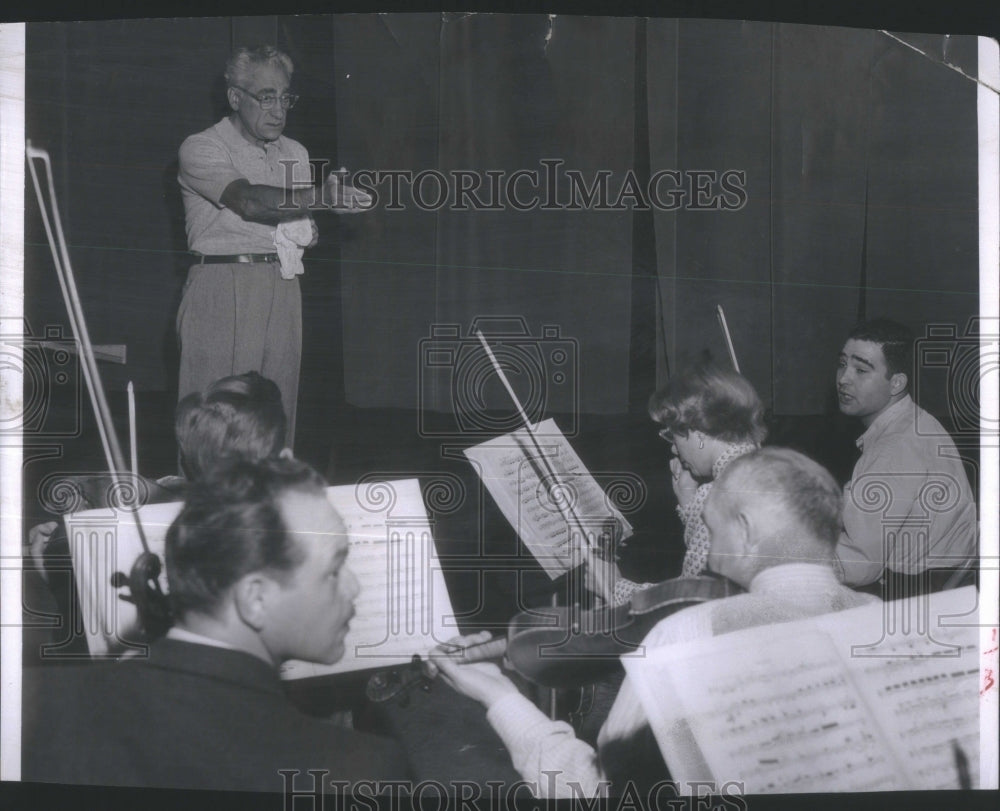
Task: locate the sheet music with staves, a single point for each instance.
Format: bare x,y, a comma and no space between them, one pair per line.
403,607
530,500
792,708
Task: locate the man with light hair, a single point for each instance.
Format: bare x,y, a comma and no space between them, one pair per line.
248,196
773,518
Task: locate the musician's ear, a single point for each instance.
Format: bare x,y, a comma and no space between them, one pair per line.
744,529
251,594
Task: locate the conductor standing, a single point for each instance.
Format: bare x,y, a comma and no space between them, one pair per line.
248,202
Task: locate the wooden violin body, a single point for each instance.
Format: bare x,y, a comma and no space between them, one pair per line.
567,647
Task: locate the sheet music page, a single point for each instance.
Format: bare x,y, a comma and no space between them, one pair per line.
533,503
788,708
926,705
403,607
103,542
922,682
779,718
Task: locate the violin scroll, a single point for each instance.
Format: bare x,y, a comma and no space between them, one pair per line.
144,592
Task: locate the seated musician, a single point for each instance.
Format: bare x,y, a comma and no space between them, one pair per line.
772,518
236,416
239,415
710,416
258,574
909,514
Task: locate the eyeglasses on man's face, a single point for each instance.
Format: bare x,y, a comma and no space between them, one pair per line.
268,100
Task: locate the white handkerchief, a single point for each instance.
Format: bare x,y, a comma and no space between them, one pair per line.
290,238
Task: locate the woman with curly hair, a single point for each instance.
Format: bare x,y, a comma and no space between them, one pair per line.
710,416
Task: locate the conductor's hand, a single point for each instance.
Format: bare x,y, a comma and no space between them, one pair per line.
345,198
481,681
684,484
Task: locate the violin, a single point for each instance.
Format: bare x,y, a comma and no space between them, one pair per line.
565,647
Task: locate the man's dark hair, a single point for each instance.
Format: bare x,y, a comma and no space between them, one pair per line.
895,339
230,526
239,416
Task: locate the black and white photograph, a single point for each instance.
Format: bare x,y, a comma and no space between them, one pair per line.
462,408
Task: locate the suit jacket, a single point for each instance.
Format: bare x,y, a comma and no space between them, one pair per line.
186,716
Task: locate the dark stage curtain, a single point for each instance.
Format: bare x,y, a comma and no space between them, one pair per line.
487,93
859,156
861,195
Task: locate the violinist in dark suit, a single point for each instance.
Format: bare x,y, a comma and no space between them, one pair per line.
258,573
240,416
773,519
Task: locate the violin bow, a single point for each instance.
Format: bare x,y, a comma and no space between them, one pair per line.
729,340
573,520
146,567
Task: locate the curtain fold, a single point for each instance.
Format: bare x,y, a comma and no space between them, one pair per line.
860,161
514,94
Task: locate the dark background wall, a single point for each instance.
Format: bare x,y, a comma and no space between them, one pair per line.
859,153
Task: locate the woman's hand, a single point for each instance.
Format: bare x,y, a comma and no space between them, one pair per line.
684,483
